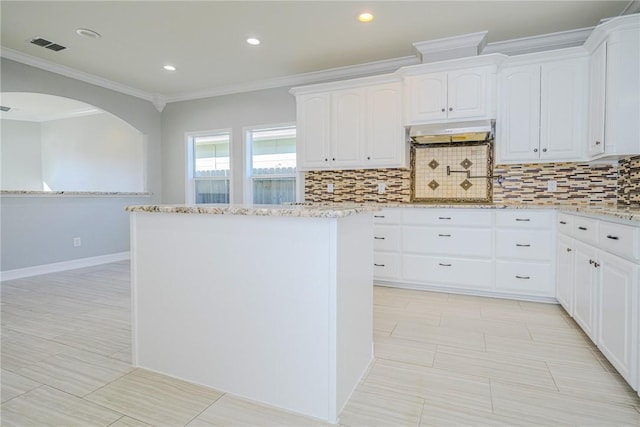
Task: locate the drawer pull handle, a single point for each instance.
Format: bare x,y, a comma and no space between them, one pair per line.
444,265
379,265
591,261
522,246
378,216
569,249
444,235
609,236
563,222
378,238
523,277
596,265
583,228
523,219
444,217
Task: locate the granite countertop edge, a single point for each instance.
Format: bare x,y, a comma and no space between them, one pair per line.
339,210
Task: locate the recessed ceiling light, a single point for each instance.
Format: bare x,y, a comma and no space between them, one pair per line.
365,17
169,68
84,32
253,41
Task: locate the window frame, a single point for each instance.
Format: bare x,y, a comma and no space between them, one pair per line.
248,162
190,188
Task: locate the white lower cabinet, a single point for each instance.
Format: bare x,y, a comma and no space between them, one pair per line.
618,314
598,278
443,271
528,278
565,253
386,266
585,282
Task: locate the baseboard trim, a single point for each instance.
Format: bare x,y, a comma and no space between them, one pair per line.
37,270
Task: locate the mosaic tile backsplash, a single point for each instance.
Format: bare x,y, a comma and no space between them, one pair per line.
578,183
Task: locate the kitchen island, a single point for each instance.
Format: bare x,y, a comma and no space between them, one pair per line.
273,304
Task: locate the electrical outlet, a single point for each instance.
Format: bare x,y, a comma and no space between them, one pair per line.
381,187
329,188
77,242
552,185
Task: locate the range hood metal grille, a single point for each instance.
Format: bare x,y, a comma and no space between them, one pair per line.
452,132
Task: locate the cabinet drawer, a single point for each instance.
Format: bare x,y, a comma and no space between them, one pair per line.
525,278
565,224
447,241
386,266
585,229
448,217
386,238
522,218
387,216
620,239
474,274
524,244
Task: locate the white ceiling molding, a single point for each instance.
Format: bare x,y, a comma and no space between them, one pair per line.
541,43
23,58
632,7
159,101
362,70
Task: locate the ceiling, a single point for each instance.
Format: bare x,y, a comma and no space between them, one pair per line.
205,40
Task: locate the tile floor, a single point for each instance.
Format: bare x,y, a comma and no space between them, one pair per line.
441,360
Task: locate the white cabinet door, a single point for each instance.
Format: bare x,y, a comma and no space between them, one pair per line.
617,311
466,93
585,283
385,138
518,124
347,127
426,97
597,83
564,272
563,99
313,131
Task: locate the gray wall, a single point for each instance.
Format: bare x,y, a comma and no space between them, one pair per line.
39,230
21,140
265,107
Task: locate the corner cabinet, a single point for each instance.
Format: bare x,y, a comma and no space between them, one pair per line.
355,124
614,100
542,114
598,274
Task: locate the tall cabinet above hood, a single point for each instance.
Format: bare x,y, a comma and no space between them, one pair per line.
470,131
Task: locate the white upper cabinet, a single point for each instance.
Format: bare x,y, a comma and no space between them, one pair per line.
350,125
442,96
614,102
597,75
542,109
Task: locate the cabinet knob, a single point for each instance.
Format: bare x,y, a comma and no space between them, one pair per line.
569,249
596,265
535,150
591,261
598,142
326,160
450,108
368,158
334,159
443,110
544,150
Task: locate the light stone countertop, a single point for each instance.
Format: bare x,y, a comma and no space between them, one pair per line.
289,210
35,193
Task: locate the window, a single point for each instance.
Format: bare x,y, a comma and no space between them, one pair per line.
271,165
210,167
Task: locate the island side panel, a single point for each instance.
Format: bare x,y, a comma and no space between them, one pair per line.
354,302
237,303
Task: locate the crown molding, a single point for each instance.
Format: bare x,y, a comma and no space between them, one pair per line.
451,47
361,70
552,41
43,64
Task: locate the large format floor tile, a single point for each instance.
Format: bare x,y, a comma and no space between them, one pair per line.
440,360
155,399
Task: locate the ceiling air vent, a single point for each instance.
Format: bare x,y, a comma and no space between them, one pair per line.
39,41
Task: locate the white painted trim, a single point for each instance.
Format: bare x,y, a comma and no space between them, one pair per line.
371,68
43,64
540,43
62,266
451,47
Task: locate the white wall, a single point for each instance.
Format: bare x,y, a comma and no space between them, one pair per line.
93,153
40,230
265,107
20,140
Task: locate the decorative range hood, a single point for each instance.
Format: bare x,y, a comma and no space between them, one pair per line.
472,131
